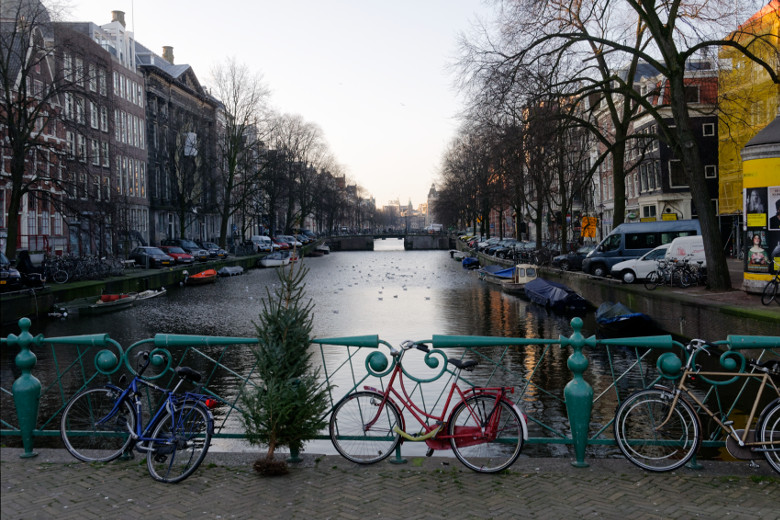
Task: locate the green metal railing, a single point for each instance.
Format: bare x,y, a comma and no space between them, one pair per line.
579,414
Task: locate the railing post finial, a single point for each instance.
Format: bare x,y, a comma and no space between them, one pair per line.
26,389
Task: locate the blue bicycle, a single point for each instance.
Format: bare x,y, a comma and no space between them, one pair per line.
100,424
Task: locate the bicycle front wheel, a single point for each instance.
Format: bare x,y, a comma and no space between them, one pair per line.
60,276
770,292
180,444
652,435
768,432
652,280
362,432
95,427
486,436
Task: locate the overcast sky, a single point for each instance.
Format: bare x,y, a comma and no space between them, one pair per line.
373,75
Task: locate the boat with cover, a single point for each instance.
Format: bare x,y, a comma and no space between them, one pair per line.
203,277
615,320
230,270
555,296
470,263
523,274
496,273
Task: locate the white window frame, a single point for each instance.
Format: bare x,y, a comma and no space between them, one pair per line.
711,171
708,129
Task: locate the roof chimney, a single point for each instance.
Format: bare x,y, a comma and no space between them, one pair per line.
118,16
168,53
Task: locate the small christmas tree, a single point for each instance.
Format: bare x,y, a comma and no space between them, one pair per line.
288,404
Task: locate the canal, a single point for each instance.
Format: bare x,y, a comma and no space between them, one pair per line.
396,294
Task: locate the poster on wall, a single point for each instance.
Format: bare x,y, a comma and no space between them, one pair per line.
762,218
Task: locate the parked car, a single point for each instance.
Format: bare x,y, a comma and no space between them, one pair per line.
573,261
189,246
10,278
280,243
636,269
213,249
180,255
262,243
150,256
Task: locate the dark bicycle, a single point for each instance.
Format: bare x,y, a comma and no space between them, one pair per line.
100,424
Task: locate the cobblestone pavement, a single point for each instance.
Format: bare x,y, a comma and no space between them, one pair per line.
54,485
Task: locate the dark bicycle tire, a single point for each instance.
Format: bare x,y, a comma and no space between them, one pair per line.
88,438
637,433
188,432
59,276
348,428
651,282
770,292
768,430
485,455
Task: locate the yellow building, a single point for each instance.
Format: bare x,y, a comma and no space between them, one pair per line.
749,100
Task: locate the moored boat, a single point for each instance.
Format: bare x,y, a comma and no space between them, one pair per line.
108,303
277,259
324,248
555,296
230,270
150,293
203,277
615,320
523,274
470,263
496,273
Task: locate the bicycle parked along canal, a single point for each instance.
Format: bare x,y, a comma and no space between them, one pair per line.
485,429
100,424
658,428
771,288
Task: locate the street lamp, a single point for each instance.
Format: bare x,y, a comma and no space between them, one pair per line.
601,220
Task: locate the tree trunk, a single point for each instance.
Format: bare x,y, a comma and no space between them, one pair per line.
718,278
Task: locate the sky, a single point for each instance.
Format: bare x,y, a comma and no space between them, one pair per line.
376,77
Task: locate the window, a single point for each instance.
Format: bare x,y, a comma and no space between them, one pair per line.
93,74
116,125
67,67
80,110
104,153
69,111
116,83
95,150
692,93
93,115
70,144
104,119
677,177
708,129
710,171
81,148
648,212
102,82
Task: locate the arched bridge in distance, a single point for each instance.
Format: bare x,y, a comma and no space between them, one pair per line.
419,240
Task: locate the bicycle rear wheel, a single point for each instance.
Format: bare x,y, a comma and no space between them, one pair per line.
60,276
770,292
648,439
473,438
356,437
182,441
94,427
768,431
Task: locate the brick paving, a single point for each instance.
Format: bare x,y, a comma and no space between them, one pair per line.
54,485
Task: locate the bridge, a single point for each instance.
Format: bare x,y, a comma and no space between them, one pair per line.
412,241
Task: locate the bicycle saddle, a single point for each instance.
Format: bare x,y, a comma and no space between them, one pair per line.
188,373
464,365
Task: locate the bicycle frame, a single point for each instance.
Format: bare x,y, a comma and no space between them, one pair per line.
169,404
435,435
681,389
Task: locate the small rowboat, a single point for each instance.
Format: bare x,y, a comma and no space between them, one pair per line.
109,303
150,293
203,277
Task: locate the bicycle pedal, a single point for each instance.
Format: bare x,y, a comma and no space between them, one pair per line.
429,452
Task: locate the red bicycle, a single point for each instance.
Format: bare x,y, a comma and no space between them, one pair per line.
485,430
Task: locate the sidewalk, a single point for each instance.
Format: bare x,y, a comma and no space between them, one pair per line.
54,485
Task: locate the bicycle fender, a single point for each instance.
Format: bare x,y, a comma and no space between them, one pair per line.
523,420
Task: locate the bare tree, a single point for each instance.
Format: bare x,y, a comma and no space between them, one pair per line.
241,138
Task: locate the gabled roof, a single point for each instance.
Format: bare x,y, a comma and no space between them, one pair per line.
183,74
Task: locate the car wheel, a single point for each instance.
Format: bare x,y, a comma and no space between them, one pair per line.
629,277
565,266
599,270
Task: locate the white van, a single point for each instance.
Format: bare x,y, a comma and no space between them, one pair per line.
262,243
691,248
